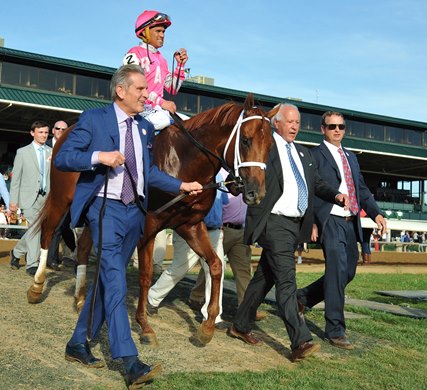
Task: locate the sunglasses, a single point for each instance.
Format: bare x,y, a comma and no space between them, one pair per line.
333,126
156,18
60,128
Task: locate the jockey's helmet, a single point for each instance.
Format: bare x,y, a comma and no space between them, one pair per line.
149,19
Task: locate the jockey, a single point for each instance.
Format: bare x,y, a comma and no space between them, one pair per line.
150,27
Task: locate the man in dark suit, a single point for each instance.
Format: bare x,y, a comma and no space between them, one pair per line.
58,128
282,220
338,229
106,138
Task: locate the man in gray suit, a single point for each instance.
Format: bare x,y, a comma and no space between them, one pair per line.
28,191
282,220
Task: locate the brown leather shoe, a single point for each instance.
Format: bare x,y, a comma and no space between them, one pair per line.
260,315
304,350
248,338
341,342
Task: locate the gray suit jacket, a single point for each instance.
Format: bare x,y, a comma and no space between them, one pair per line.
25,184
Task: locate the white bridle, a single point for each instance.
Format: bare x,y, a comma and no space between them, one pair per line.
237,159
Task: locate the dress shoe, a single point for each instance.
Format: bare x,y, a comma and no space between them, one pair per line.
301,308
341,342
194,305
222,326
248,338
31,271
14,261
81,353
54,266
140,373
152,310
260,315
304,350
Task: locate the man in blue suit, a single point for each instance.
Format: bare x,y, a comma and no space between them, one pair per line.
339,229
101,142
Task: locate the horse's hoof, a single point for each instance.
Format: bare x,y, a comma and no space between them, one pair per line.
149,339
34,293
205,333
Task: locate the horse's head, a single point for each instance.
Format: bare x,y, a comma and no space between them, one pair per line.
254,135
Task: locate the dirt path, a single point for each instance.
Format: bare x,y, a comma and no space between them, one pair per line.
33,337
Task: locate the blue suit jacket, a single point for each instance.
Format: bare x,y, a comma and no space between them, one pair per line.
98,130
330,172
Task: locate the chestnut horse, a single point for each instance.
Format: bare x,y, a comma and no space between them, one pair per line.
241,138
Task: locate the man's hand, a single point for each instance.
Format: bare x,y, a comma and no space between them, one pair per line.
169,106
314,233
381,223
192,188
13,207
181,56
111,159
343,200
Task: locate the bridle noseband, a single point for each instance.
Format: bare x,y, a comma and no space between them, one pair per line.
237,158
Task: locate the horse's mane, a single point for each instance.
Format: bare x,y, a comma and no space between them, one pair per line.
225,115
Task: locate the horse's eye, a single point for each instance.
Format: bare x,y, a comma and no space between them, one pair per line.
246,142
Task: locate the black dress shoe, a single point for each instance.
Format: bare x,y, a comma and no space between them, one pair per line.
81,353
14,261
31,271
152,311
54,266
140,373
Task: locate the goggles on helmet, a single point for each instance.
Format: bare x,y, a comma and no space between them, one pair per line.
156,19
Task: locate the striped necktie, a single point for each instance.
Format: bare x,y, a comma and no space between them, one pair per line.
354,207
128,195
302,189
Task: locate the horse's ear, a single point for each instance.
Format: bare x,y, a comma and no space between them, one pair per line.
249,102
273,111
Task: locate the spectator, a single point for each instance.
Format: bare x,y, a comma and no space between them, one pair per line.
28,190
57,130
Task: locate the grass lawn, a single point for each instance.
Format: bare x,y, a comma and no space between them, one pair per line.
390,351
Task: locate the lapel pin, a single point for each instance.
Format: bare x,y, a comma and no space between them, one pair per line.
301,154
144,131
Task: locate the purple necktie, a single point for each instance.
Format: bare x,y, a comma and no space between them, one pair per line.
127,195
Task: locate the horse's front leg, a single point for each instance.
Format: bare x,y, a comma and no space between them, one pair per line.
48,226
84,246
145,266
202,243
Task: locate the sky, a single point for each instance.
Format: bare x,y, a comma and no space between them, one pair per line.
368,56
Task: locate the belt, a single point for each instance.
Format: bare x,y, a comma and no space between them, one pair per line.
233,226
293,219
350,218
